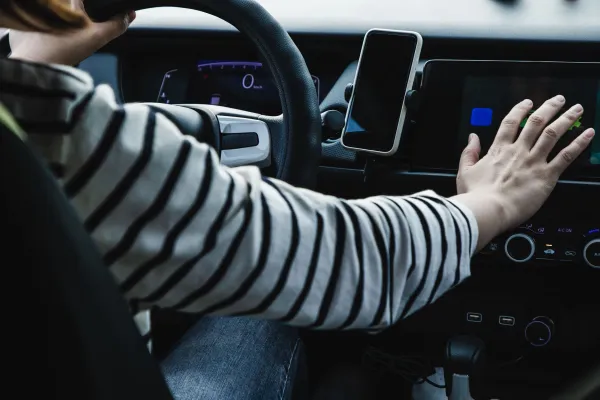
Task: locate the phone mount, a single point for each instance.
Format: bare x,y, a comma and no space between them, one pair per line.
412,99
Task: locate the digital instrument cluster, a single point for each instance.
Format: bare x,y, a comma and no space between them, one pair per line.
245,85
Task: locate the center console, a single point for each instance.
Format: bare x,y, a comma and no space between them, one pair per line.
533,294
462,97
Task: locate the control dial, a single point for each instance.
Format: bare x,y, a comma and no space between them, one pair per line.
520,247
539,331
591,253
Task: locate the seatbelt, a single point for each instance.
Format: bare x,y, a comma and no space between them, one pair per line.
9,122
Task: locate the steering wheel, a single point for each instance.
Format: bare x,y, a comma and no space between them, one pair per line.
290,144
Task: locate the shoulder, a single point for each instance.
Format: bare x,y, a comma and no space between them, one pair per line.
41,96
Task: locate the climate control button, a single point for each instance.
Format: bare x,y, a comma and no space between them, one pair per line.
591,253
520,248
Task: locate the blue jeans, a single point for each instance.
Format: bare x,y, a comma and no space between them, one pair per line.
234,359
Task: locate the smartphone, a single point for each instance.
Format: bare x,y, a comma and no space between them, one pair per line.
386,71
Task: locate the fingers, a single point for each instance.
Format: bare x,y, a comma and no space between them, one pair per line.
555,131
77,5
115,26
571,152
470,155
510,125
539,119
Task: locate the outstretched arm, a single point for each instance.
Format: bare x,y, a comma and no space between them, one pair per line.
179,230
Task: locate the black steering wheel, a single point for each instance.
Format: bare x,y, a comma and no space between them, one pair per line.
294,138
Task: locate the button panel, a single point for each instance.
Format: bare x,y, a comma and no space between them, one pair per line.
540,245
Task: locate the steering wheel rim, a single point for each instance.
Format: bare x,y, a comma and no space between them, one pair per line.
296,134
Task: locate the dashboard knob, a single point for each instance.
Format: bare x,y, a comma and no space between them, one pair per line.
332,123
539,331
591,253
520,248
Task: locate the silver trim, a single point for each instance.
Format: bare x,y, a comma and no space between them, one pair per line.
409,85
259,155
523,236
585,249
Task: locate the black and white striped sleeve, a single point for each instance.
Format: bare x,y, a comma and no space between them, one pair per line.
179,230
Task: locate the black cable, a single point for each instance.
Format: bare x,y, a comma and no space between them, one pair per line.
432,383
413,369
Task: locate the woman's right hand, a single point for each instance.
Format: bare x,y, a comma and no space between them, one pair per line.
510,184
71,47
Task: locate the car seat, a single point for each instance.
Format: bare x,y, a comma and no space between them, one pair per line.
71,335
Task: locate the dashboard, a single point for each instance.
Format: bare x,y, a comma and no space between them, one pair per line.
220,69
533,294
245,85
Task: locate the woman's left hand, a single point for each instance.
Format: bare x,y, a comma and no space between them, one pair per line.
69,48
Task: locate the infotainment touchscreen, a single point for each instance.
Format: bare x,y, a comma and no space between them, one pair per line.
461,97
487,100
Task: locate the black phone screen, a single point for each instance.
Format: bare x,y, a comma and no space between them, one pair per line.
376,109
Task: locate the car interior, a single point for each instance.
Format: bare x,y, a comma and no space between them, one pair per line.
268,83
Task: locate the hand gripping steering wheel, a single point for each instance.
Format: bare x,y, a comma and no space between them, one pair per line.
292,141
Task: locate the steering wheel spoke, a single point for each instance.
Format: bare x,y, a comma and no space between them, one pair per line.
244,138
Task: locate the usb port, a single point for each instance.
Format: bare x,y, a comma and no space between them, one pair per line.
506,321
474,317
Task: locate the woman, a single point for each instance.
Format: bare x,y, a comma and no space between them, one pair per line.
179,230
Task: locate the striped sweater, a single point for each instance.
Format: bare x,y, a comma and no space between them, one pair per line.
179,230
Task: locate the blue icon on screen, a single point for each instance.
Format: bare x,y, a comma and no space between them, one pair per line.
481,117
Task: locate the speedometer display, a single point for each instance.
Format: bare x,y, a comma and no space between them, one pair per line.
244,85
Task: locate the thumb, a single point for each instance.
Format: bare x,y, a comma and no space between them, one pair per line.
470,155
116,26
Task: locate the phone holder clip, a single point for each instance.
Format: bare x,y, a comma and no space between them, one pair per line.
412,99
